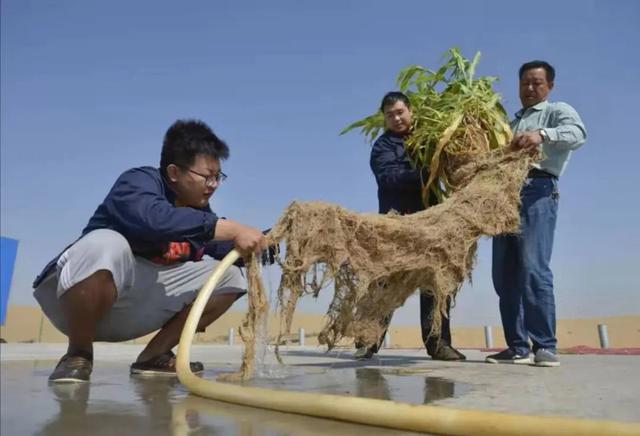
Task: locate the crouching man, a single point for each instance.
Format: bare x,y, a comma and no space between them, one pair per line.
139,263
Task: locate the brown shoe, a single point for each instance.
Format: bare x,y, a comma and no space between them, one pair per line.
447,352
73,369
162,365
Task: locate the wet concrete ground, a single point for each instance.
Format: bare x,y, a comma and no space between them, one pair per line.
599,387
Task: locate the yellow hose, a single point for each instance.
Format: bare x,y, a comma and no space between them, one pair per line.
368,411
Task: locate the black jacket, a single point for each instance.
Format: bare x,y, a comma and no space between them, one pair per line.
399,184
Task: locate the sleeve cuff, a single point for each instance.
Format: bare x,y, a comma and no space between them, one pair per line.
552,134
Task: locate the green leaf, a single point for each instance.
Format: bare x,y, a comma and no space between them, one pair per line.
471,70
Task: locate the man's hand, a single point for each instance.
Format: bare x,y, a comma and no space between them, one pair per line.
245,239
527,141
249,240
219,249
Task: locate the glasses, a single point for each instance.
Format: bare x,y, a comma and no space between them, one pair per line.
209,181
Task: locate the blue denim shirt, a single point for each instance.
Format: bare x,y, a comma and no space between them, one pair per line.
563,126
141,207
399,184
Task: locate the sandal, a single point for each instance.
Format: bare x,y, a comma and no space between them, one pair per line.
162,365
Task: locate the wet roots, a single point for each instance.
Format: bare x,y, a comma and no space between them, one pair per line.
377,261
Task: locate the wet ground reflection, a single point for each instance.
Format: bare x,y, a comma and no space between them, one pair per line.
115,403
408,385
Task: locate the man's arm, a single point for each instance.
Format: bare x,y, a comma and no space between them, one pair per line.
387,171
567,131
139,207
137,203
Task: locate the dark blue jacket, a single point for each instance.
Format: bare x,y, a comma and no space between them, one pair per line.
141,207
399,184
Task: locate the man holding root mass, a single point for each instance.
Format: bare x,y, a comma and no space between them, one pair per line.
521,274
139,262
399,188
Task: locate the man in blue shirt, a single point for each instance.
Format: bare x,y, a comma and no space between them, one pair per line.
521,273
399,189
140,260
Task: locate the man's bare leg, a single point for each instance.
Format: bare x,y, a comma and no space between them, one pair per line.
84,304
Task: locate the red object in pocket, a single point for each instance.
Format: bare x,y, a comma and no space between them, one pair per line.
174,252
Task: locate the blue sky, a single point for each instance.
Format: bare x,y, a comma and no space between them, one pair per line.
88,89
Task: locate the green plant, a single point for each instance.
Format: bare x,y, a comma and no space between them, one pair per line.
455,116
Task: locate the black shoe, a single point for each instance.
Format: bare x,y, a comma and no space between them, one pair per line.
75,368
162,365
363,353
447,352
509,356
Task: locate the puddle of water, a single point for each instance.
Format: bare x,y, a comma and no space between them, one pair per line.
370,382
115,403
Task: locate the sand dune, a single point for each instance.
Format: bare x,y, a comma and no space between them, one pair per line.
27,324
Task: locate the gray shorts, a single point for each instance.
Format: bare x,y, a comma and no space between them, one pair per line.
149,294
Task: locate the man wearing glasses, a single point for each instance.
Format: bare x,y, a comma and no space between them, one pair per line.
140,260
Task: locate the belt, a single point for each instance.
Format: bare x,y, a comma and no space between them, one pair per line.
535,173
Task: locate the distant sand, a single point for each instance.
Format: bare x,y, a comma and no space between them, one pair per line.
27,324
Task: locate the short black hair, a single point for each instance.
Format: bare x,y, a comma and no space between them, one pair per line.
187,138
550,71
392,97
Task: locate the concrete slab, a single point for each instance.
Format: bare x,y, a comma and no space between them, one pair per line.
597,387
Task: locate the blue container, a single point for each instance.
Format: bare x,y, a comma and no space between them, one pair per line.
8,251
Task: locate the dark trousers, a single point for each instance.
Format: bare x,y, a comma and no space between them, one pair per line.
426,320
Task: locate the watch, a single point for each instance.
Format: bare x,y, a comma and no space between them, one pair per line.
543,135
